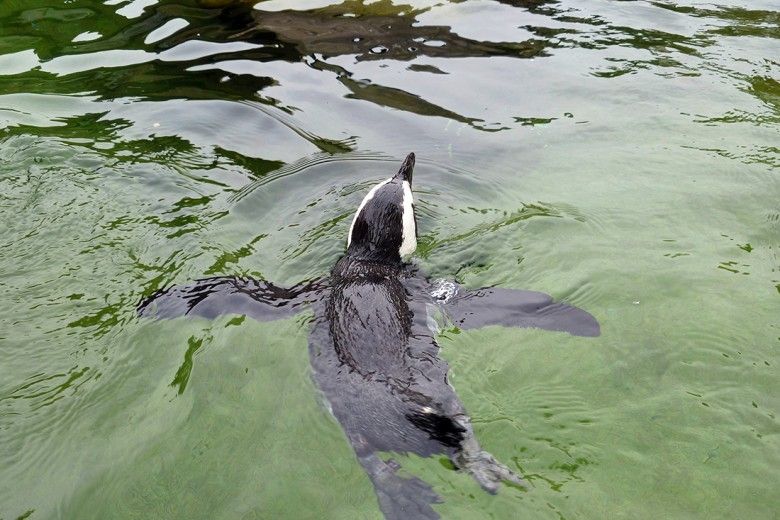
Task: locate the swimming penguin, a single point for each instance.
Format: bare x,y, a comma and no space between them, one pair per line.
373,354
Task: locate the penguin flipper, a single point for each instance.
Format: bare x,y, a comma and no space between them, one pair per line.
515,308
211,297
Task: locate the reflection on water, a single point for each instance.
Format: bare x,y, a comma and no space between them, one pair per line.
622,156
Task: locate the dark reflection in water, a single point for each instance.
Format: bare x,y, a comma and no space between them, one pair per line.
176,64
380,31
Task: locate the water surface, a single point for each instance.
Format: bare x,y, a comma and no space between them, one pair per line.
620,155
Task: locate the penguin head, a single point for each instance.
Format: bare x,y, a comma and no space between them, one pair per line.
384,226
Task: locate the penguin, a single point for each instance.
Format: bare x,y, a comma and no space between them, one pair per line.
373,349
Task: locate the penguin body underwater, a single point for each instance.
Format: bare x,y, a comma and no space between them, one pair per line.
373,354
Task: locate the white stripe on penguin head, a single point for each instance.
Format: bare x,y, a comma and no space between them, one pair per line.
368,197
409,237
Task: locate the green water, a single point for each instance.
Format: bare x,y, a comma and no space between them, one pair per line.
622,156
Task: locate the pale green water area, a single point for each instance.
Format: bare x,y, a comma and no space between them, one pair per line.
622,156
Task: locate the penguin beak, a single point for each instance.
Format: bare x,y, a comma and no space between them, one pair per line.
405,173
